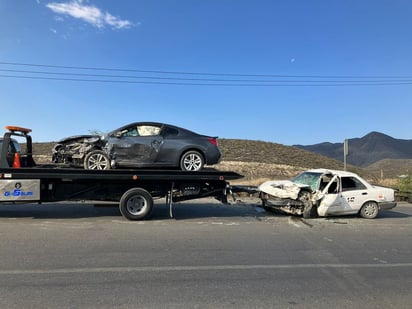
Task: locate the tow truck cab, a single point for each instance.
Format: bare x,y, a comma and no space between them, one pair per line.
9,147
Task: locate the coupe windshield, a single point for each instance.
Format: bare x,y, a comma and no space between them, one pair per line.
308,178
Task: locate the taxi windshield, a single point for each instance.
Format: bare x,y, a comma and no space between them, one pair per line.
308,178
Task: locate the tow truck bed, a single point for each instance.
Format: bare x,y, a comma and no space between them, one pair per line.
133,189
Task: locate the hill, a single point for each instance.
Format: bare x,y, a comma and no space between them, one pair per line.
366,150
272,153
390,168
256,160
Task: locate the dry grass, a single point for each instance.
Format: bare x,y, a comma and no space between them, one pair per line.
255,172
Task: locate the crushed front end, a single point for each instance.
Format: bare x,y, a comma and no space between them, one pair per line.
287,197
73,150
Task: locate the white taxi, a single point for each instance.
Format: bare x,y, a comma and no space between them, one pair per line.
323,192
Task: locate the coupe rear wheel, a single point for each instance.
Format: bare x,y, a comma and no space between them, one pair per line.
192,161
369,210
96,160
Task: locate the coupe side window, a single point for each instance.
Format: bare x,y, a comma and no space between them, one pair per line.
130,132
352,183
170,131
148,130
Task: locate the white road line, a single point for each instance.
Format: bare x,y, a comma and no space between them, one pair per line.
196,268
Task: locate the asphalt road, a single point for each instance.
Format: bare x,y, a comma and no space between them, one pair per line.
208,256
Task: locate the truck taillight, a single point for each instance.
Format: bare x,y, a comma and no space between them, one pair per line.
213,141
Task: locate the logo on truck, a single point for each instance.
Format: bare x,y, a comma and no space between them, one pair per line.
18,191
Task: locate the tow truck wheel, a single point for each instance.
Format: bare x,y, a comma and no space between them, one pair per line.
136,204
96,160
192,161
369,210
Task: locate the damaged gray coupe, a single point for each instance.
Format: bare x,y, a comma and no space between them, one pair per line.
139,145
322,192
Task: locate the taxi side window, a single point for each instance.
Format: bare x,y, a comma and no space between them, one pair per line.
333,188
352,183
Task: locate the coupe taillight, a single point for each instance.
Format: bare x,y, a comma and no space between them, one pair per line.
213,141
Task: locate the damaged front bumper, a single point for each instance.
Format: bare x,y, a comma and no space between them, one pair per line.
285,205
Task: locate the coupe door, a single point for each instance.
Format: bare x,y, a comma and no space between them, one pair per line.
137,146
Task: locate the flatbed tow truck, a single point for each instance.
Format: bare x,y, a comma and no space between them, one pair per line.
24,181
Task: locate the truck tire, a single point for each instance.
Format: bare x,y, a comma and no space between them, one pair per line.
192,161
96,160
136,204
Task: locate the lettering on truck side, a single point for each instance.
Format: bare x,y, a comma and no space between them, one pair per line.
17,190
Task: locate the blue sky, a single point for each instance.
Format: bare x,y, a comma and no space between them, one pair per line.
289,72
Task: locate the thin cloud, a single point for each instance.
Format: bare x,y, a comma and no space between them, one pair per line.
88,13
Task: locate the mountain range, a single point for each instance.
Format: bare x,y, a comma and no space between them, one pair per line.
366,150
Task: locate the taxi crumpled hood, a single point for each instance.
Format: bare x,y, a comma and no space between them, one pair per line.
282,188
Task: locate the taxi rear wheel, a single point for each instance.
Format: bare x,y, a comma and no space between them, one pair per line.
369,210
